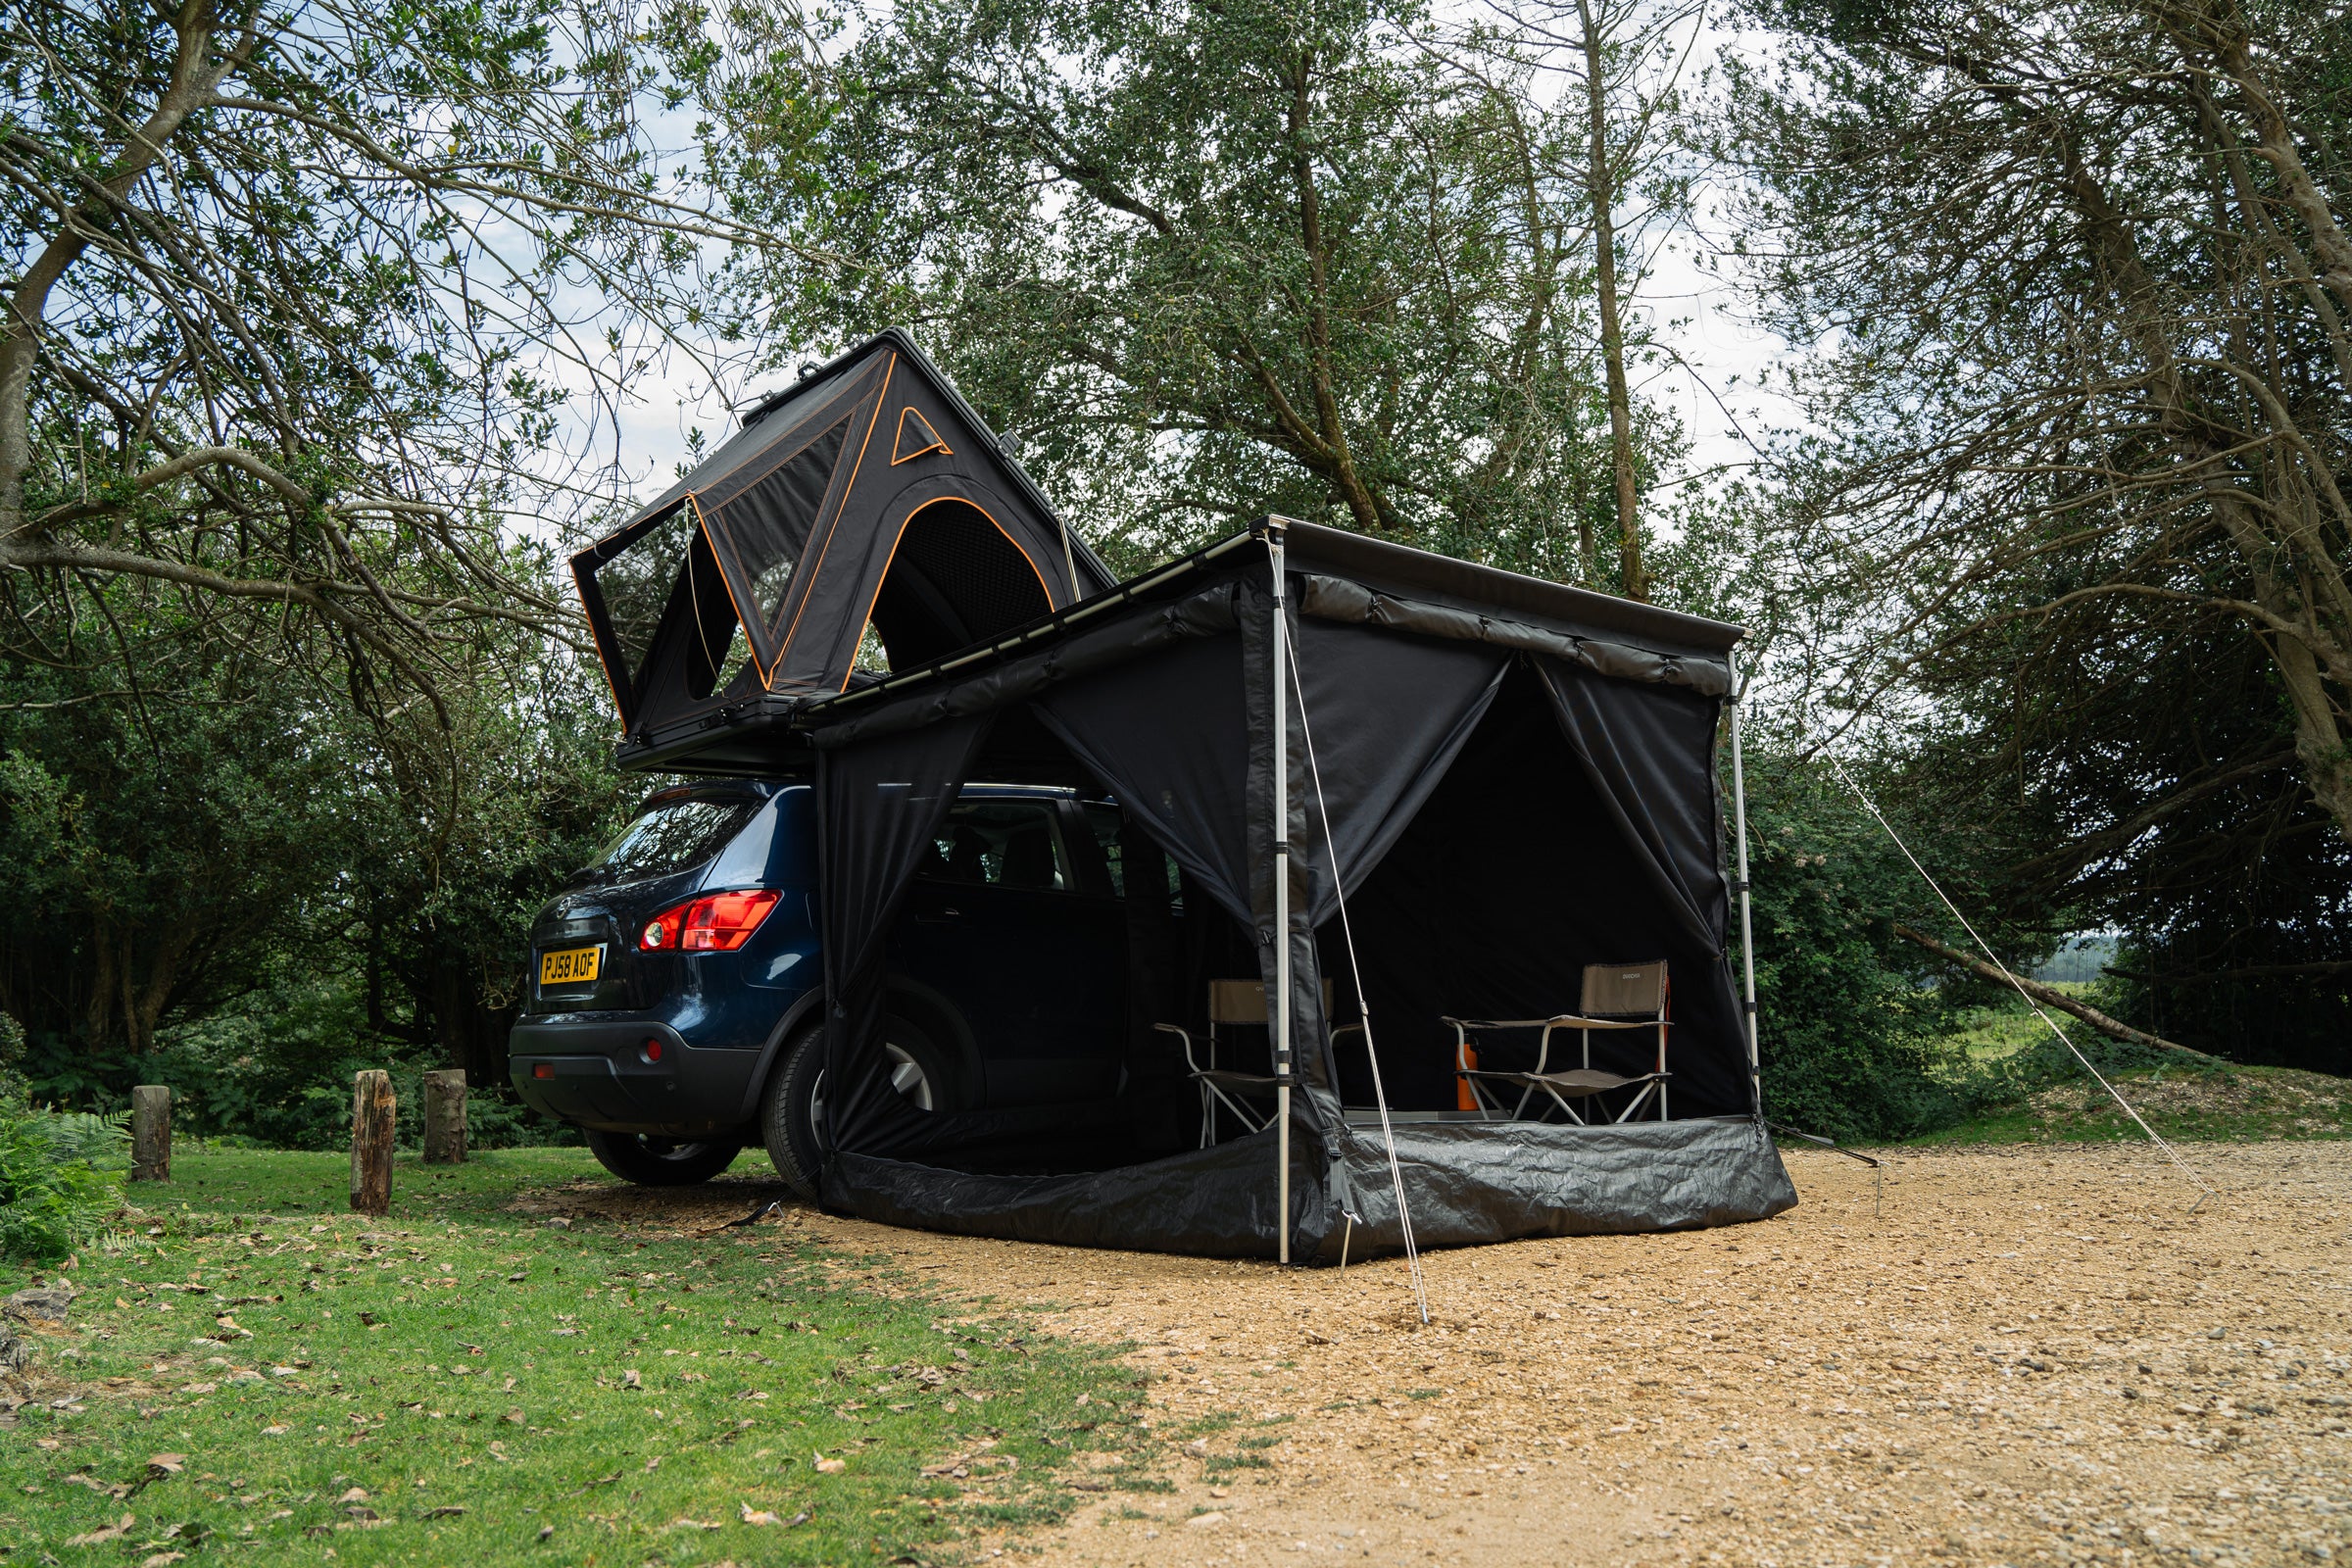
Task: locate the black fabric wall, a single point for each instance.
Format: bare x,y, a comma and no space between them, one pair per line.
1503,820
878,806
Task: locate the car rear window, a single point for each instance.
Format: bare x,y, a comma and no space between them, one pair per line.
671,836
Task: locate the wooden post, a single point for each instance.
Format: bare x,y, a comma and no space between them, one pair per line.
445,1117
151,1132
371,1113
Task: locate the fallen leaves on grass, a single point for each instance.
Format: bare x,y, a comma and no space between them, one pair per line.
768,1516
77,1479
830,1467
104,1534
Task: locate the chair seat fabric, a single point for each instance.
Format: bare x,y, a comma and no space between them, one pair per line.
1582,1080
1225,1078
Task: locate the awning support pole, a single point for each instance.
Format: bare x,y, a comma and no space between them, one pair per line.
1747,936
1282,898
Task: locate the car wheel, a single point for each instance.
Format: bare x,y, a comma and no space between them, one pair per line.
653,1161
792,1107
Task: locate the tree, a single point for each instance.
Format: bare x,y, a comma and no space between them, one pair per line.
2072,518
153,845
2080,279
216,827
295,292
1209,261
1624,63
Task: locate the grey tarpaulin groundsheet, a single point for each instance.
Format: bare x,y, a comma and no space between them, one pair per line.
1510,797
1468,1183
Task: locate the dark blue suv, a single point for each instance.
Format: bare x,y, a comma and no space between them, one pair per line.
673,1009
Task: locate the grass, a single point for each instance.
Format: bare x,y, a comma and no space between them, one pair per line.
2000,1058
253,1374
2005,1028
2188,1102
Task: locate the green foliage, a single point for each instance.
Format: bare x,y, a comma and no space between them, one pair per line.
2071,404
1208,260
53,1197
1846,1031
235,884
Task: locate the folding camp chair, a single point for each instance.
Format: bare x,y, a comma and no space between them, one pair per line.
1616,996
1246,1096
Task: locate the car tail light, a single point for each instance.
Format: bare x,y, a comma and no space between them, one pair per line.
543,1069
649,1051
720,922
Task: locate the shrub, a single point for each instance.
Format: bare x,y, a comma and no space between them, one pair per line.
53,1197
1848,1034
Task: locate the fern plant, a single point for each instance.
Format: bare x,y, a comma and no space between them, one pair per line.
52,1196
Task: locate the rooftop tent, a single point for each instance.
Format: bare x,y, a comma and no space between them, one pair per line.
867,497
1487,783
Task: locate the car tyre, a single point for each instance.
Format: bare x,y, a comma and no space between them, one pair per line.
653,1161
788,1109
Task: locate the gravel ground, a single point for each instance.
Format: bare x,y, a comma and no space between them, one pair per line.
2031,1355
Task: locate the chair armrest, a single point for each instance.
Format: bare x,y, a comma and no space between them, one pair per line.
1185,1034
1348,1029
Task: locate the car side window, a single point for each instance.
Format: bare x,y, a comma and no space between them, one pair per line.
1006,843
1104,818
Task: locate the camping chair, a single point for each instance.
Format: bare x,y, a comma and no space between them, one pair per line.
1616,996
1246,1096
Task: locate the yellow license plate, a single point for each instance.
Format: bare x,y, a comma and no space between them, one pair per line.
570,967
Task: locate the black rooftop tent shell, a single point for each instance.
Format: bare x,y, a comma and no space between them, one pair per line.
867,493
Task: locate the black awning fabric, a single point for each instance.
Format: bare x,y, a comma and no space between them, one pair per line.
878,807
1182,777
1513,876
1652,753
1387,717
1500,815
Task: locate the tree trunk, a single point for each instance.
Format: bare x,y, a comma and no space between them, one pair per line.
151,1132
2047,997
445,1117
372,1112
1600,183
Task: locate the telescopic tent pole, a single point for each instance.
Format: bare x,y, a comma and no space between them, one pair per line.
1747,936
1282,898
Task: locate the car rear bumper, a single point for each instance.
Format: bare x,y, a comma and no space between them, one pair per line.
592,1072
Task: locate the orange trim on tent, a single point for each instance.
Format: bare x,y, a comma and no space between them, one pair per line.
740,625
933,442
1044,587
784,644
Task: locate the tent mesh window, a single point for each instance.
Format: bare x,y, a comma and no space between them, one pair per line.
637,586
768,524
955,579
